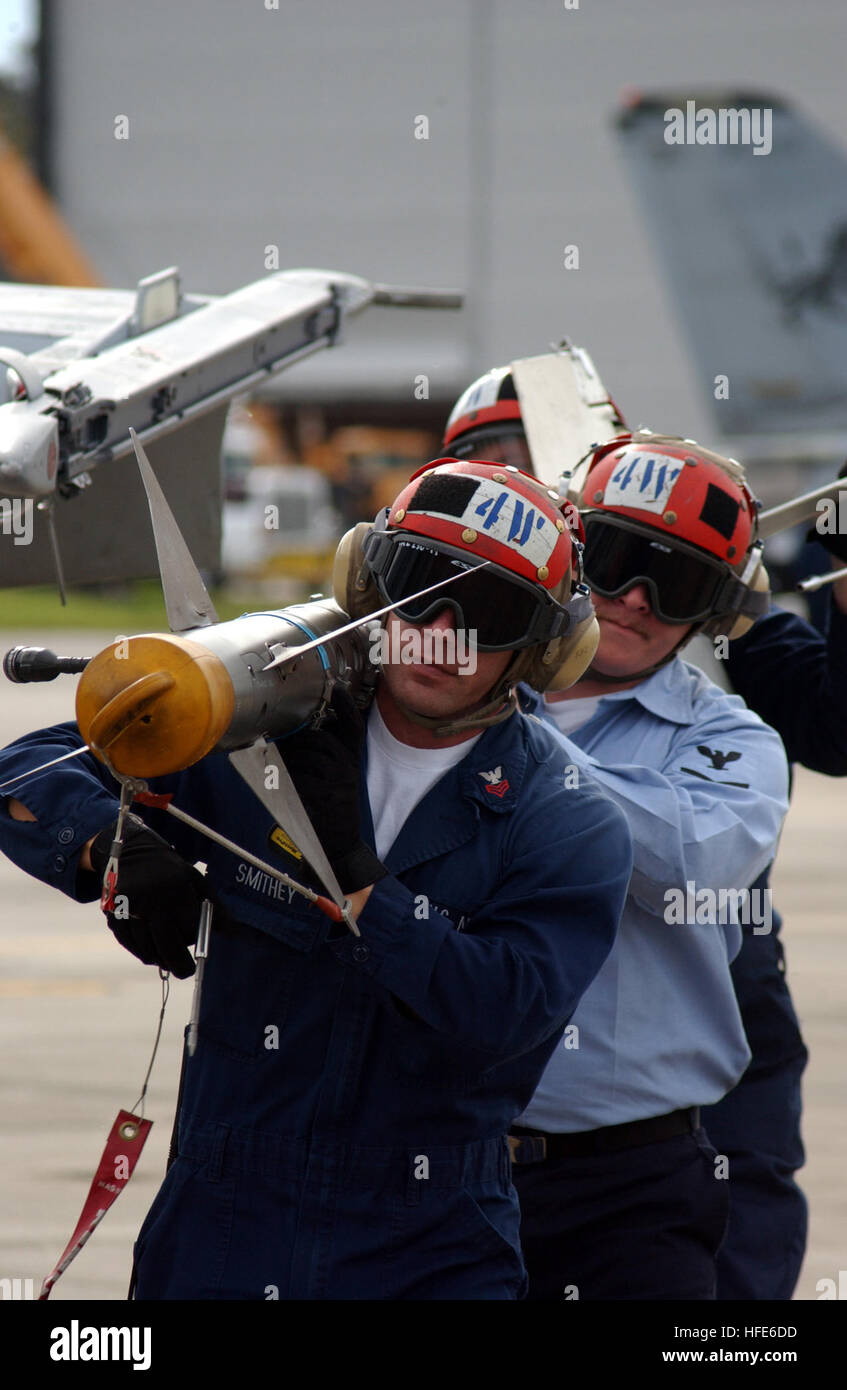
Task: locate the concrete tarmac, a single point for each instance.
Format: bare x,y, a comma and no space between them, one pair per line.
79,1016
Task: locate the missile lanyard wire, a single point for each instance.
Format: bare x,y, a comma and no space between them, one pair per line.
124,1144
164,976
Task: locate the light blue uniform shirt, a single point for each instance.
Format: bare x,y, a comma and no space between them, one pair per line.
659,1029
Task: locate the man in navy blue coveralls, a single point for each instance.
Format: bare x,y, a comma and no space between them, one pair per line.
342,1125
796,680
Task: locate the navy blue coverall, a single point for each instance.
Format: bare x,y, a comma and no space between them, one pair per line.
796,680
341,1131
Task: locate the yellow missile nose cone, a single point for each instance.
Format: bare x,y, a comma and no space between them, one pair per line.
154,704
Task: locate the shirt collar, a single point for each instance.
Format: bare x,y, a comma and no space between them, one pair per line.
668,693
491,774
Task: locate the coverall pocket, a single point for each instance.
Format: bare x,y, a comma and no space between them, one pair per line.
183,1243
713,1208
490,1225
457,1243
252,967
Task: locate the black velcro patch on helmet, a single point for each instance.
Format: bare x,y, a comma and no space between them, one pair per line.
720,511
443,492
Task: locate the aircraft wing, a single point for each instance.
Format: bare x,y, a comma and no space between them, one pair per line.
83,366
59,324
755,251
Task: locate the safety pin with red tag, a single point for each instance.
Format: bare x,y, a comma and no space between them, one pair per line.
127,1138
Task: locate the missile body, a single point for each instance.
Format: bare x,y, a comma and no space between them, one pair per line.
158,702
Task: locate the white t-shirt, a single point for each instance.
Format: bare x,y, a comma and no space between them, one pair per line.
568,715
399,776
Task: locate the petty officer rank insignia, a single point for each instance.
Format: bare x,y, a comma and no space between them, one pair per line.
495,782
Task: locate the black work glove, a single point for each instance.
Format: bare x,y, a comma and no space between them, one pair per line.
833,541
324,765
163,892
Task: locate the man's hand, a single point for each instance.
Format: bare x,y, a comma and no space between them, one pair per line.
157,899
324,765
358,900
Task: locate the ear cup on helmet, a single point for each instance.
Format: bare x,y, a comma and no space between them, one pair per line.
352,586
577,656
560,664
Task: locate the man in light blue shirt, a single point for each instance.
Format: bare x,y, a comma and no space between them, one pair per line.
660,1028
622,1195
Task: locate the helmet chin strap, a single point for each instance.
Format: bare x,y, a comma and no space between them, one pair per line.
487,713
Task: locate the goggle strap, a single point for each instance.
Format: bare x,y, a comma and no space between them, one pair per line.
736,597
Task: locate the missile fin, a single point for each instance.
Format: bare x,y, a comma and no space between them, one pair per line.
285,806
564,409
186,597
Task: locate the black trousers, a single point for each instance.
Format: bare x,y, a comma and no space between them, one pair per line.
757,1126
645,1223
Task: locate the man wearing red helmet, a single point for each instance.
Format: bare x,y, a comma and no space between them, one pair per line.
622,1196
796,680
342,1128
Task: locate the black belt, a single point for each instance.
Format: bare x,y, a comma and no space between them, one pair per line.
533,1146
